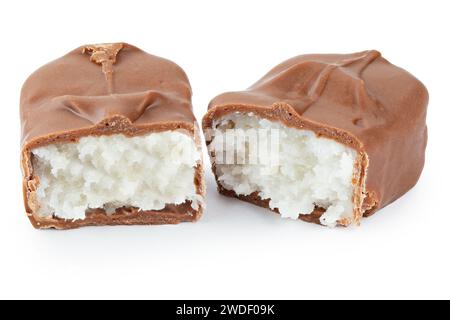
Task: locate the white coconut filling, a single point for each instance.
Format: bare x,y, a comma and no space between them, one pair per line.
297,172
147,172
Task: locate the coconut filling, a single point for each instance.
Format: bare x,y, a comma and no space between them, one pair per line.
109,172
295,169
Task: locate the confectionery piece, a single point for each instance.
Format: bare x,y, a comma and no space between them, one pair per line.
326,138
109,138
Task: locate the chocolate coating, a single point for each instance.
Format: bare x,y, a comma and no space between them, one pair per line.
358,99
105,89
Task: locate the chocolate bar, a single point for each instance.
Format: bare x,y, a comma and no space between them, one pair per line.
109,138
347,133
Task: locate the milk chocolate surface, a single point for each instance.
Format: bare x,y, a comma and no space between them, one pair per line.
105,89
360,100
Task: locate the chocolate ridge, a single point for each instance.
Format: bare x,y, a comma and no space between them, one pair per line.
105,55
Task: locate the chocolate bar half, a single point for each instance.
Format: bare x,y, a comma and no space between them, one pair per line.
327,138
109,138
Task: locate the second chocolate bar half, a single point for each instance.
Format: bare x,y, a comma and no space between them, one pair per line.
327,138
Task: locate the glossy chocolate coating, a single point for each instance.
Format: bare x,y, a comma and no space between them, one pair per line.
80,91
358,99
105,89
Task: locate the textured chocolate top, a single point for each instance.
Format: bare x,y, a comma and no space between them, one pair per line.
96,83
378,105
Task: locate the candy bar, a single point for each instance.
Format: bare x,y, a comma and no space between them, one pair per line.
109,138
326,138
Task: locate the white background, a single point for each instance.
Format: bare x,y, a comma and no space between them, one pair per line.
236,250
